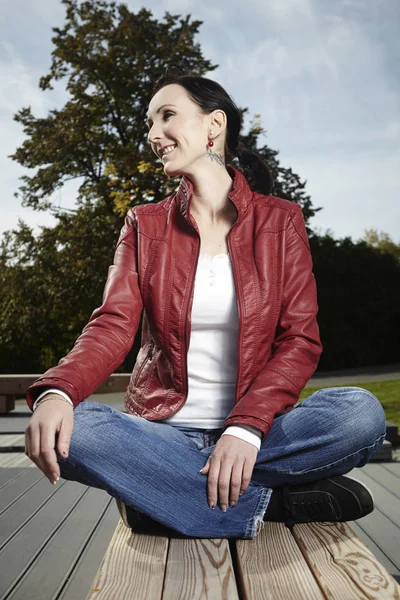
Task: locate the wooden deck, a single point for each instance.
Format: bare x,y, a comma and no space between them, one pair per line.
67,542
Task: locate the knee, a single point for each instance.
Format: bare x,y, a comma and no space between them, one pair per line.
364,417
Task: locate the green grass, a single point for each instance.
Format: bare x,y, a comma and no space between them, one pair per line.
387,392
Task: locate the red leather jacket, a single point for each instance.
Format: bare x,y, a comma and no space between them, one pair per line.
153,276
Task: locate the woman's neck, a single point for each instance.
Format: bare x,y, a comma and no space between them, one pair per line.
210,201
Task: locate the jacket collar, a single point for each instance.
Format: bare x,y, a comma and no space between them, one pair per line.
240,193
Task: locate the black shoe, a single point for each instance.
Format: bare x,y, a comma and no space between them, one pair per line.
134,519
333,499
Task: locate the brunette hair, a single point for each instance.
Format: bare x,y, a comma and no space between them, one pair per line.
210,95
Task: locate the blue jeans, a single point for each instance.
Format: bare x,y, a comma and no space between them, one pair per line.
154,467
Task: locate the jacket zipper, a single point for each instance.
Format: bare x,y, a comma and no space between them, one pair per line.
150,351
238,306
188,320
148,357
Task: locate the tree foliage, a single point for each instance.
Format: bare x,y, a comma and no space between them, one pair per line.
383,242
50,284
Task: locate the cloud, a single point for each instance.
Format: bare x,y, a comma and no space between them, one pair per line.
355,195
18,82
289,9
20,89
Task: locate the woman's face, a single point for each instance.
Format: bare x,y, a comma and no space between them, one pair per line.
175,120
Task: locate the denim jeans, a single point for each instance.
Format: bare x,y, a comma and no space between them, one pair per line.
154,467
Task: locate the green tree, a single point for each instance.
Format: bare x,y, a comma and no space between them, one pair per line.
50,284
382,241
110,59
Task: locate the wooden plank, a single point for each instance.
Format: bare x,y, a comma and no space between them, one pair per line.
8,474
12,440
15,459
18,384
342,564
373,546
199,568
81,578
33,521
383,477
271,567
50,544
133,567
13,424
384,533
40,495
18,486
393,467
387,502
13,484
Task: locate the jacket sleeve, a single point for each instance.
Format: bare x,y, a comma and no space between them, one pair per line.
110,332
296,348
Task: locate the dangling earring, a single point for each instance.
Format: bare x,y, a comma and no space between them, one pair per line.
214,156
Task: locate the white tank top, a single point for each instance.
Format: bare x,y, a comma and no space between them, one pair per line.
213,346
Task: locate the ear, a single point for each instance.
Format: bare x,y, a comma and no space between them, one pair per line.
218,121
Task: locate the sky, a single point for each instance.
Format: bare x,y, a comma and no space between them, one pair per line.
324,77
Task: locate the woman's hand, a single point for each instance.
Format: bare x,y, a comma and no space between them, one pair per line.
229,469
50,417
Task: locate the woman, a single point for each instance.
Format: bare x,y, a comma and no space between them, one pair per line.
214,442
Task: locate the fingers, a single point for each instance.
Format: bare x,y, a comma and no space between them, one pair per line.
225,471
212,481
48,453
43,453
247,472
40,439
229,469
64,437
40,453
225,482
230,483
237,486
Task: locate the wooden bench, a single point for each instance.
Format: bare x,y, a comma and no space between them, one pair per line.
314,561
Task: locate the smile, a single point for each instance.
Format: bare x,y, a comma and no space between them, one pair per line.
168,151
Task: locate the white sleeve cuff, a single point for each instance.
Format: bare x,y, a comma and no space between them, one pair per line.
52,391
245,434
